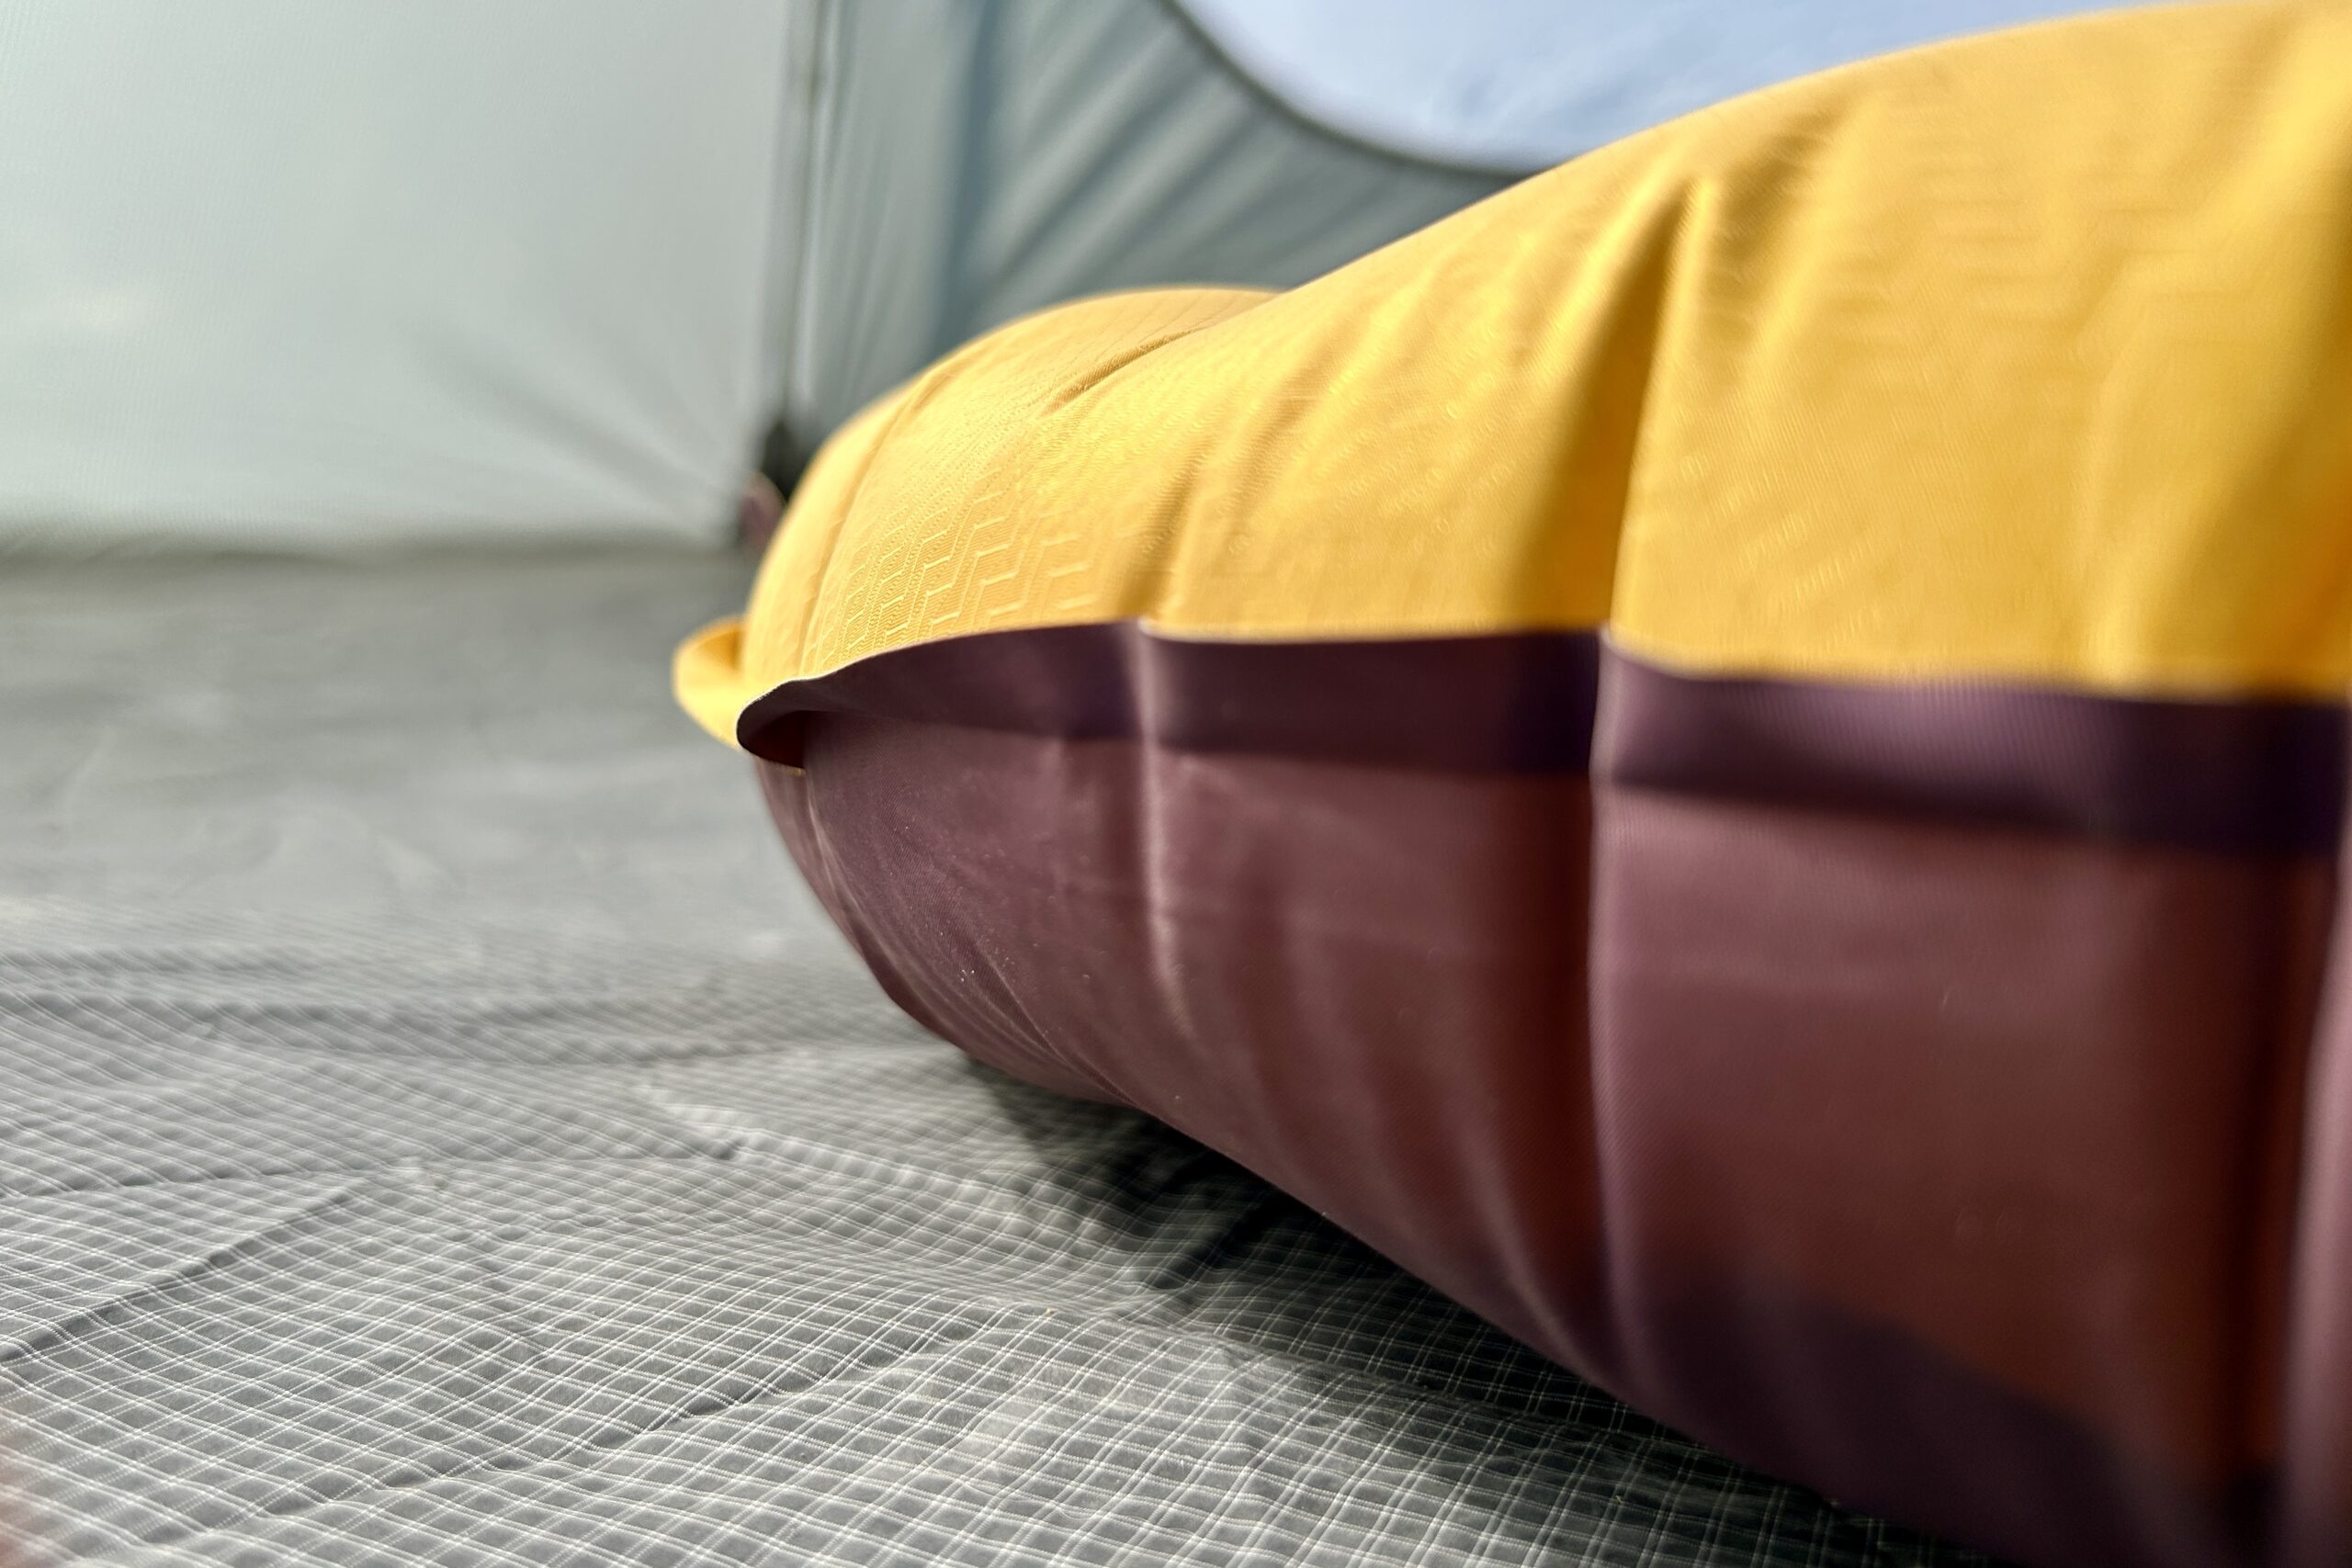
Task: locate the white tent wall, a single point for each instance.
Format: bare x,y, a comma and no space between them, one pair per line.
338,273
329,271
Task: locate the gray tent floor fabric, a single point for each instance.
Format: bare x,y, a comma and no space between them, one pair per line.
434,1128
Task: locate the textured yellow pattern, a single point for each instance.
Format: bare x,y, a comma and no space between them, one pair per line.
2027,356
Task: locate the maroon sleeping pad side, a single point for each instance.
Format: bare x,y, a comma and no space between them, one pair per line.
1901,1089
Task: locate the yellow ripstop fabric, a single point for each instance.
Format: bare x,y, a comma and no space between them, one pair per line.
2026,356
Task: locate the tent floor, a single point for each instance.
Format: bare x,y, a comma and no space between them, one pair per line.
435,1127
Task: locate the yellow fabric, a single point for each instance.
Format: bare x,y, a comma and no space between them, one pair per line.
2027,356
707,675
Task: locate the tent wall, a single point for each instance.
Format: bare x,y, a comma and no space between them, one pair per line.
313,272
979,159
324,272
327,272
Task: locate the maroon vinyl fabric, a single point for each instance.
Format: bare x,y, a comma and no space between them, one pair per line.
1981,1156
2314,1516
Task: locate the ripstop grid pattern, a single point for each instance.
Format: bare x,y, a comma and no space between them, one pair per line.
272,1288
